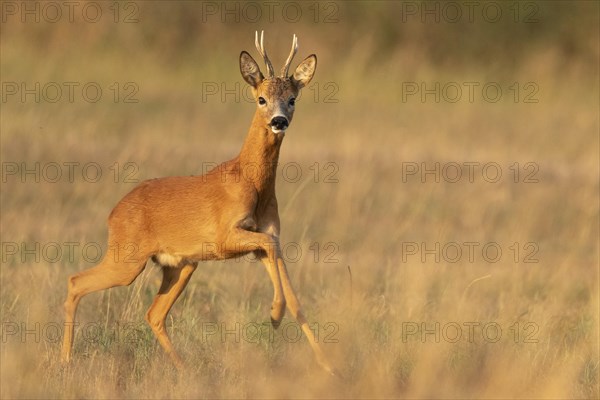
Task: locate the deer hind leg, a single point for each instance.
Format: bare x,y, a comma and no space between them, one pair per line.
174,281
109,273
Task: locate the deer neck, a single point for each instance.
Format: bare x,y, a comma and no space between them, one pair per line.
259,156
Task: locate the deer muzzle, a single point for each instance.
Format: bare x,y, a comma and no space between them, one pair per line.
279,124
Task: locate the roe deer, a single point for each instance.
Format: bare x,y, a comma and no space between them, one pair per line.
228,212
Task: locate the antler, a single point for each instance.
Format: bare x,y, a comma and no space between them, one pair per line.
286,67
261,49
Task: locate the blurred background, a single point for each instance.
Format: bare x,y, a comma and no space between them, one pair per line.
439,181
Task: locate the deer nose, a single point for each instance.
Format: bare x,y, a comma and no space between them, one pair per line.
279,123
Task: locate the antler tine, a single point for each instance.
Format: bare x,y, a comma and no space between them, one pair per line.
261,49
286,67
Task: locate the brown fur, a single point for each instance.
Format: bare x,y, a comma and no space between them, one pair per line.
228,212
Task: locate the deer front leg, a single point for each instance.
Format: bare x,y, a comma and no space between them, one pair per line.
267,248
278,305
294,306
257,241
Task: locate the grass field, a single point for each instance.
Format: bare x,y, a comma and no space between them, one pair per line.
441,248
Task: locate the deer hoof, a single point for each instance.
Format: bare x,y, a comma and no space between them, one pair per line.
275,323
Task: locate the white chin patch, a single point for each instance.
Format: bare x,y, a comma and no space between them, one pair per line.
275,130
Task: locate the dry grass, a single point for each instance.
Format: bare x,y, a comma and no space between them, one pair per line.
380,322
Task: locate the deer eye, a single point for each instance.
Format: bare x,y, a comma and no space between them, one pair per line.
292,101
262,101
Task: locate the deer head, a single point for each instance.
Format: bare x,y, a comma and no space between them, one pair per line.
276,96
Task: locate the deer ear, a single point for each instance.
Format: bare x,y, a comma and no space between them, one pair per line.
305,71
250,70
